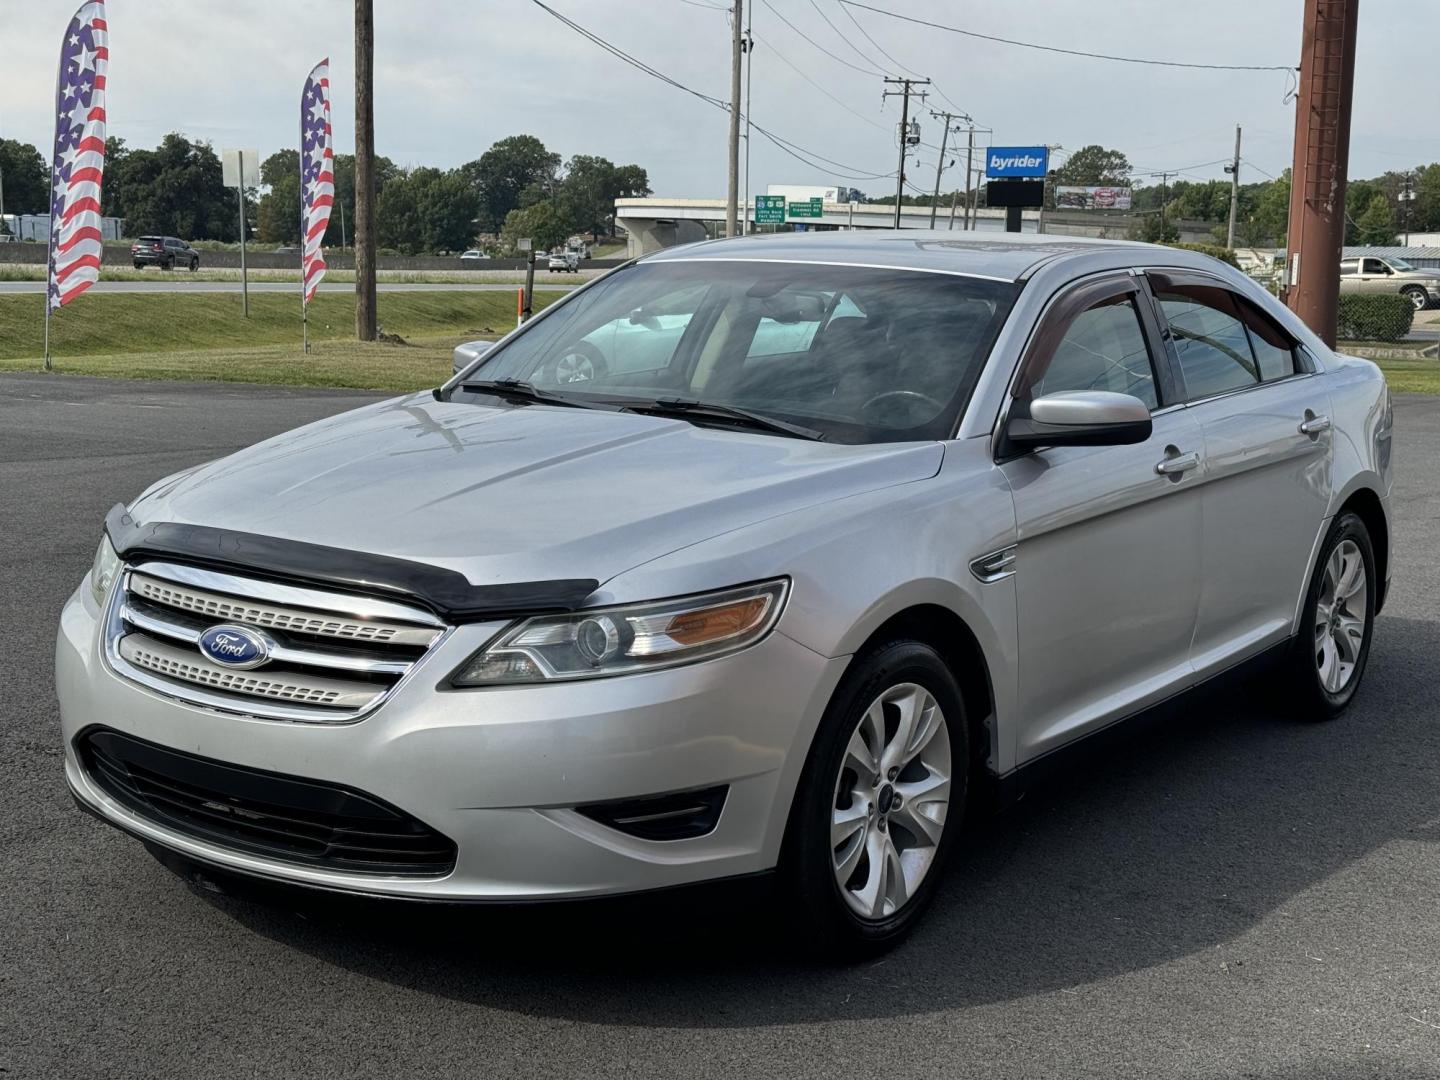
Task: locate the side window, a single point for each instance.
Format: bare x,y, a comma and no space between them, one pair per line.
1103,349
1274,351
1211,343
1349,267
1373,266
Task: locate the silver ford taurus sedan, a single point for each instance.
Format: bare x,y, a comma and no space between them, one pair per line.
774,554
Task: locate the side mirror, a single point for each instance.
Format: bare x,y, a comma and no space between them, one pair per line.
1078,418
468,353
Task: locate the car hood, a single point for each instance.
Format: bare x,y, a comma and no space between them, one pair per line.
519,493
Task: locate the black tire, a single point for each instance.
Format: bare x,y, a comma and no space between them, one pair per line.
168,264
1303,692
824,926
1416,296
194,265
139,266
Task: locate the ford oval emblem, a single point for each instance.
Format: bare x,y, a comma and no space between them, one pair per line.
235,646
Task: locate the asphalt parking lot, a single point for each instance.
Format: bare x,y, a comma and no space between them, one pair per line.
1228,895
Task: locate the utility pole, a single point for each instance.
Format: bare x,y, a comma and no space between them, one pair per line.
365,324
948,118
1407,196
1234,170
969,171
749,63
906,89
1322,148
737,50
1164,198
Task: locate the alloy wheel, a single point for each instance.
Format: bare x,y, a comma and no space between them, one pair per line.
891,799
574,367
1340,617
1419,299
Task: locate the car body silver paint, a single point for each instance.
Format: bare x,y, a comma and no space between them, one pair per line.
1112,579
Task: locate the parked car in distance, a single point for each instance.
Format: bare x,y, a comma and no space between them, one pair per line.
564,261
1376,274
166,252
831,540
473,255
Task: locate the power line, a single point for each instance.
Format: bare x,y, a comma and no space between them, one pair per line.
855,48
872,41
796,151
1056,49
853,112
812,41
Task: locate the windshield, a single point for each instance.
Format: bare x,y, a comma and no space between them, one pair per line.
1399,264
859,354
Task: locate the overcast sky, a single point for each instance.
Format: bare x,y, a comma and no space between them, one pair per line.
452,76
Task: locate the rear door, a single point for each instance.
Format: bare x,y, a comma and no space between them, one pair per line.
1108,554
1266,421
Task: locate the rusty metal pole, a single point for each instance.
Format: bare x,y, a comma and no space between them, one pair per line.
1322,150
365,315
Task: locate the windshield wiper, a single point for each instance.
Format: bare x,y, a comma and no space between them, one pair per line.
685,408
520,390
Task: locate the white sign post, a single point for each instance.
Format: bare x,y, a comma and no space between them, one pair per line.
241,169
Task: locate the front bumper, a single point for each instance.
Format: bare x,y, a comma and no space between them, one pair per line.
498,771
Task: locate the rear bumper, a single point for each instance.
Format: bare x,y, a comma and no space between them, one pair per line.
499,772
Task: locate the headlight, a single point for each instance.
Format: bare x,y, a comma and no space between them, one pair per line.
103,569
619,640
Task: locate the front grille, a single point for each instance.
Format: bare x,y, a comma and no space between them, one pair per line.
331,657
282,817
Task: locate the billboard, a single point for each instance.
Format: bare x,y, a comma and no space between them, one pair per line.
1092,197
1003,161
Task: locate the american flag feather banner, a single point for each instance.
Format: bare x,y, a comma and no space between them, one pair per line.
79,159
317,175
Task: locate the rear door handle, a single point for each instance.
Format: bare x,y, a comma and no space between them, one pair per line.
1314,425
1176,463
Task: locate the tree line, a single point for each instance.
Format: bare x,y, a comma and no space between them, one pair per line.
517,188
1374,213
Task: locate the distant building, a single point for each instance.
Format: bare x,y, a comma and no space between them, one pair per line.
36,227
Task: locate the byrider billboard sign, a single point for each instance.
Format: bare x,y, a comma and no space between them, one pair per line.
1016,161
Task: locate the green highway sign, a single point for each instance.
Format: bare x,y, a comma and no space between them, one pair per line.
811,208
770,209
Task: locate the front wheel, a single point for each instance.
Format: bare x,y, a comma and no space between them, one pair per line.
1417,297
879,804
194,265
1329,654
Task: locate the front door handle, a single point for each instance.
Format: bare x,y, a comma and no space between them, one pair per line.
1314,425
1175,463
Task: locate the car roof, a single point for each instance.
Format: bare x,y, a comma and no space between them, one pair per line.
1000,256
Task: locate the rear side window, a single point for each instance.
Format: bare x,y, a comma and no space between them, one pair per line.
1222,341
1349,267
1211,343
1103,349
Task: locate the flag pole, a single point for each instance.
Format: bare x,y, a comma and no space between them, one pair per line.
48,365
304,303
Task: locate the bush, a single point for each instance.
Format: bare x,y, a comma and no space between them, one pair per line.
1385,317
1215,251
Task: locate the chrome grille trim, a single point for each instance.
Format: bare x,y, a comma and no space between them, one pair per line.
285,654
274,592
146,652
157,612
276,617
